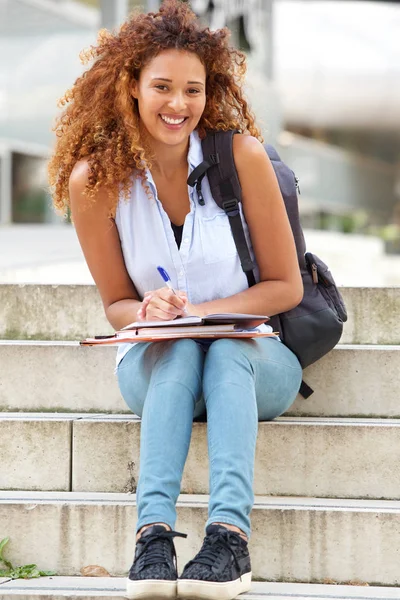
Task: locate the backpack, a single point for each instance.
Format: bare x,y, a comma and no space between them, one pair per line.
315,326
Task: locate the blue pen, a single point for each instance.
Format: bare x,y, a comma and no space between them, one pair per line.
167,280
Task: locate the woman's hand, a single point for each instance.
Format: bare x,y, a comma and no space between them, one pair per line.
162,305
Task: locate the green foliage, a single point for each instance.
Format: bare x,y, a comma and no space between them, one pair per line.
24,572
389,233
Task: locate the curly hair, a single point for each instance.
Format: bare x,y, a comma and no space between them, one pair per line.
101,120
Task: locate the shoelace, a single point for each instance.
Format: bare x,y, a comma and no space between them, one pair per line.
155,547
213,544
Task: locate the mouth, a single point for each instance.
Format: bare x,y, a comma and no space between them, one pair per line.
173,122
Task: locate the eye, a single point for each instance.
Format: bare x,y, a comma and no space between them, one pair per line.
160,85
193,91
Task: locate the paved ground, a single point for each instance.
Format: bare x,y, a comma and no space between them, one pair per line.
51,254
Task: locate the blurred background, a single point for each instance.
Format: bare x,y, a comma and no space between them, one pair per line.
323,80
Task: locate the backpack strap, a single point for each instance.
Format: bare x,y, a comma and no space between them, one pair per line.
305,390
225,187
219,166
272,153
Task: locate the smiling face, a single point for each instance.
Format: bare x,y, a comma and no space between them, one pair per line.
171,95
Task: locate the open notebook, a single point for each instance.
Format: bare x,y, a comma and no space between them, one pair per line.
242,320
211,326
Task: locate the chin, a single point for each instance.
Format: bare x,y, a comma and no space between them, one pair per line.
172,138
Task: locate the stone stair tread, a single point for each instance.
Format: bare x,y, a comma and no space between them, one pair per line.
114,587
197,500
115,417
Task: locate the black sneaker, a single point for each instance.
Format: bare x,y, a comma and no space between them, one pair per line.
154,573
221,570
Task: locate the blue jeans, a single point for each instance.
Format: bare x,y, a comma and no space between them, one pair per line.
235,383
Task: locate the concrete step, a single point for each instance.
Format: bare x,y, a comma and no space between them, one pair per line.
104,588
299,540
63,376
332,458
75,311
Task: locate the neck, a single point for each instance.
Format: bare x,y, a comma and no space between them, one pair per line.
169,159
167,166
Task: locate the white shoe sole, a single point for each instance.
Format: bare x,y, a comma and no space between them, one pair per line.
151,589
194,589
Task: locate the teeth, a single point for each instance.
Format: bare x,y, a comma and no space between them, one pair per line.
172,121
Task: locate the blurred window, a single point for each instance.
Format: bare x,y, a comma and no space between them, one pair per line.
30,200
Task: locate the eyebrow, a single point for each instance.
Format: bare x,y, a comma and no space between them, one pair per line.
170,80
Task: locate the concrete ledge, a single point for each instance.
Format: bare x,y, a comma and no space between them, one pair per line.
73,312
35,454
103,588
304,540
62,376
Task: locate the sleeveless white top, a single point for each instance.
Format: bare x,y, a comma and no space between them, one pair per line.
206,266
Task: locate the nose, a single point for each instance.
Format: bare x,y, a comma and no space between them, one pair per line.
177,102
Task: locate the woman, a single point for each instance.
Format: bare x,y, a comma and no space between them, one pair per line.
127,141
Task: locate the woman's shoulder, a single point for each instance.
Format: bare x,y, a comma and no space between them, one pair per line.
79,179
80,174
247,147
80,183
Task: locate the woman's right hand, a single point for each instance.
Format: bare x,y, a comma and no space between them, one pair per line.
162,305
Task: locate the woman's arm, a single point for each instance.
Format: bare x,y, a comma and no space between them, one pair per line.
99,239
280,287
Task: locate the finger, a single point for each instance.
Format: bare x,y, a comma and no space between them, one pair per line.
156,314
175,299
142,310
159,306
169,296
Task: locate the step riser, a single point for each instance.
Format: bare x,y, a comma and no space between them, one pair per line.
76,311
372,315
295,545
72,312
292,458
35,455
347,382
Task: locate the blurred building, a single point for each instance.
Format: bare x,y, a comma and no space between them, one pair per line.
324,81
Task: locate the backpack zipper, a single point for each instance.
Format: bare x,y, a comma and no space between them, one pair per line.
296,179
314,270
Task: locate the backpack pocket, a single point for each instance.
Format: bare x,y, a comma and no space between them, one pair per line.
315,326
322,277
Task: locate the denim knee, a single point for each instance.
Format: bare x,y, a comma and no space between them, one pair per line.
179,361
227,361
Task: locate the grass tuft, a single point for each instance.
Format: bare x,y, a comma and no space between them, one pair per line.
23,572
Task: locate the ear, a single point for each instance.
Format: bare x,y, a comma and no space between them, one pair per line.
134,89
